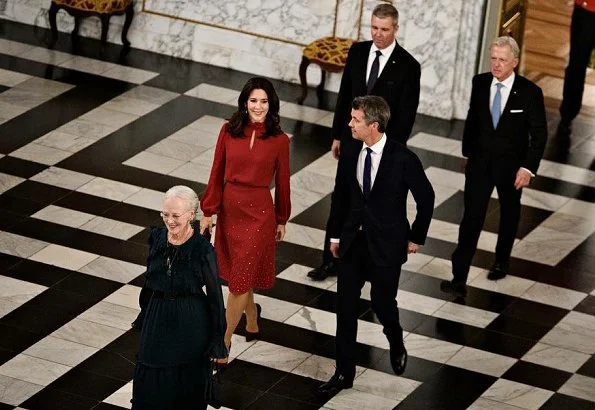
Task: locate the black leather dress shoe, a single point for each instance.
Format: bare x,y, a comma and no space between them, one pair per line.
498,271
323,271
337,383
456,289
398,358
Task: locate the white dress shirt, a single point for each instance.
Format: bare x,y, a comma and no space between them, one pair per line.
504,94
504,91
376,155
382,60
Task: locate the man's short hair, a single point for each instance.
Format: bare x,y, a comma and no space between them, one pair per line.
385,10
507,41
375,109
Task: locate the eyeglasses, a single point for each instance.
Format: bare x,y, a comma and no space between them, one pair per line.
174,217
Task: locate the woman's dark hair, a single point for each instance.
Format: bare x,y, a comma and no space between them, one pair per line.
240,118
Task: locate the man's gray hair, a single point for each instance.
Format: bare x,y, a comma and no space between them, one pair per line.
375,109
507,41
385,10
186,194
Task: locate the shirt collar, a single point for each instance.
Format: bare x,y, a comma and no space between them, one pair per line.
507,83
378,147
385,52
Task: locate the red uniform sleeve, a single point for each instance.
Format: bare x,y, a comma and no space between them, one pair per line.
282,192
210,203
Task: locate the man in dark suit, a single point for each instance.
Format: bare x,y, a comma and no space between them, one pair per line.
582,44
503,142
370,233
378,67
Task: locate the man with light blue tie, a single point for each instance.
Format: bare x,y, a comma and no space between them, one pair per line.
503,142
369,231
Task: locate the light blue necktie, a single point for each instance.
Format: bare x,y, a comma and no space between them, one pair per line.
496,105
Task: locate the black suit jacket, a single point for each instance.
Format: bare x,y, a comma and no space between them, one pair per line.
398,84
383,216
520,137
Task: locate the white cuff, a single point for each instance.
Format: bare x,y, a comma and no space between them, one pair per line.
529,171
335,240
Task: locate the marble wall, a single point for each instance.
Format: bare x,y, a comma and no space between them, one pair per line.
443,35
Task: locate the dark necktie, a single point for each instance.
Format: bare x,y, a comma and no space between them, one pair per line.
367,182
497,105
374,72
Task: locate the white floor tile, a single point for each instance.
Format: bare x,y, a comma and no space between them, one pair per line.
153,162
147,198
33,370
60,351
106,188
481,361
63,216
111,227
517,394
556,357
554,296
274,356
63,257
9,181
89,333
18,245
15,392
113,269
579,386
62,178
111,315
41,154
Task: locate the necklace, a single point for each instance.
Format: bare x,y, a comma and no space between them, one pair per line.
173,250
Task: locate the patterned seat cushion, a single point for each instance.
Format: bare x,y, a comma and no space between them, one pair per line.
97,6
329,52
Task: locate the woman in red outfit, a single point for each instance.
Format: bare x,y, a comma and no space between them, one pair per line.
250,151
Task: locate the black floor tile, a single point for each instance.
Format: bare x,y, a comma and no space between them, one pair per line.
448,330
88,286
9,219
292,253
15,339
586,306
563,402
450,388
20,206
7,262
106,406
54,399
238,396
3,88
125,346
588,369
87,384
37,272
38,192
26,318
535,312
66,304
251,375
316,216
417,368
518,327
20,167
272,401
110,365
298,388
536,375
503,344
292,292
6,355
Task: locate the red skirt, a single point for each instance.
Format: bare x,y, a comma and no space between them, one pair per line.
245,238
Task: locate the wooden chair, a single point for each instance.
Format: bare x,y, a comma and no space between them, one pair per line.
330,53
103,9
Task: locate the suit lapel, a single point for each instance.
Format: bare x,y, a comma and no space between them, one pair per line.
363,66
511,101
389,66
384,167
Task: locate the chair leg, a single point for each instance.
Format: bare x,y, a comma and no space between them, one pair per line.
104,27
53,25
127,23
304,82
320,88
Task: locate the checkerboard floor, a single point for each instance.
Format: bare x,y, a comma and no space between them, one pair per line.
87,147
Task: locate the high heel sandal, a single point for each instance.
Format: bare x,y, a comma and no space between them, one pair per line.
250,336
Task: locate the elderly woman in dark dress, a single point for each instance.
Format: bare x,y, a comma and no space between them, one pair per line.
182,328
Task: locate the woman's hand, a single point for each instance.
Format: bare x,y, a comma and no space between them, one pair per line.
206,223
280,234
